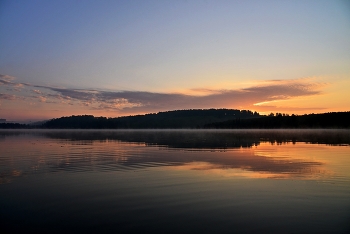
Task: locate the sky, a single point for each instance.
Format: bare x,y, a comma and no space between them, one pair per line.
116,58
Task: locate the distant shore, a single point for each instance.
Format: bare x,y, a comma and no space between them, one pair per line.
196,119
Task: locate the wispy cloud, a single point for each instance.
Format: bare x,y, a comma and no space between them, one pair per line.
6,79
263,94
8,97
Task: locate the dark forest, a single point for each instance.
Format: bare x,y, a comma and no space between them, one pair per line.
196,119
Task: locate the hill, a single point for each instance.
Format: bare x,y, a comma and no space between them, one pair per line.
325,120
195,118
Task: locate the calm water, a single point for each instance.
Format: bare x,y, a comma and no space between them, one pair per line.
239,181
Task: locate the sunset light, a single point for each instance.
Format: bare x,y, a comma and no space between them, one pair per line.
116,58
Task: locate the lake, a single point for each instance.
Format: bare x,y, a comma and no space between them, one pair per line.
175,181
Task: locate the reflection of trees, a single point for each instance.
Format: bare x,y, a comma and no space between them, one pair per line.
7,133
172,139
202,139
195,139
104,150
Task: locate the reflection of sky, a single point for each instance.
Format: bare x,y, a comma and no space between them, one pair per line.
38,154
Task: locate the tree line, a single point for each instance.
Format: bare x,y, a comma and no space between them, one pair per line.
196,118
193,118
324,120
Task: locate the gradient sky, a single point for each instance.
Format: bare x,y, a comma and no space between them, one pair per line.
113,58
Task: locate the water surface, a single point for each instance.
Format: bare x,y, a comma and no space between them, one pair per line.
175,181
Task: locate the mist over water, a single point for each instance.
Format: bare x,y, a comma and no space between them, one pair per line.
175,181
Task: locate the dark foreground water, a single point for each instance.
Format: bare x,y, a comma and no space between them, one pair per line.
239,181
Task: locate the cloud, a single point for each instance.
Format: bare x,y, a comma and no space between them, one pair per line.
282,90
82,95
5,79
36,91
8,96
259,96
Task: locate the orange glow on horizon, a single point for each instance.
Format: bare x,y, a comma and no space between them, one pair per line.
309,97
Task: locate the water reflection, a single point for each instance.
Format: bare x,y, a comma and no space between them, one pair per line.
251,153
208,139
175,181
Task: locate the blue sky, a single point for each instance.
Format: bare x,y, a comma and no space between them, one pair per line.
185,50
